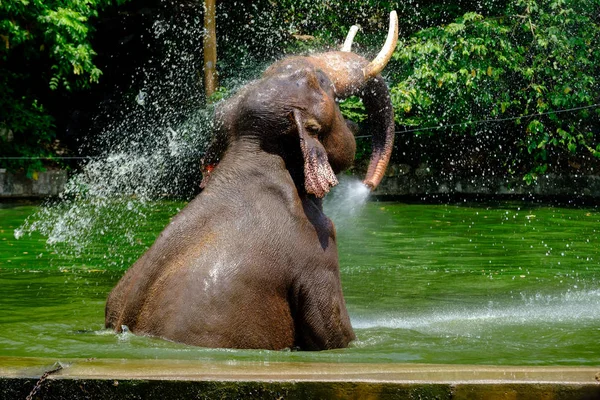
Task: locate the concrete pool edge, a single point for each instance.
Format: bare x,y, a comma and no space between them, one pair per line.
165,379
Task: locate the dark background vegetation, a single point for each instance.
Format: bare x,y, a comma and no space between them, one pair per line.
71,69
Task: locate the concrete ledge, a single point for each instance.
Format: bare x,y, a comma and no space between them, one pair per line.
174,379
48,183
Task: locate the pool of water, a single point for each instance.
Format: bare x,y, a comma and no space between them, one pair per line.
504,283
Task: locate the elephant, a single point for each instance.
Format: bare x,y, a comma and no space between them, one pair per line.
252,261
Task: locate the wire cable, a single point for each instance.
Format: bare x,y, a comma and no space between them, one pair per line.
427,128
492,120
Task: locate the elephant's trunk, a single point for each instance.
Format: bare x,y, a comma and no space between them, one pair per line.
353,75
377,101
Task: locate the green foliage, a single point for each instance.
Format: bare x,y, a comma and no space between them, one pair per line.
353,109
329,20
58,30
26,130
255,31
44,44
540,56
219,94
512,61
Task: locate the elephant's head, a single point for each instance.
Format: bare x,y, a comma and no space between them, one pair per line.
295,102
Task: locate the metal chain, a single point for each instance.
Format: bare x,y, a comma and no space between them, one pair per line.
44,376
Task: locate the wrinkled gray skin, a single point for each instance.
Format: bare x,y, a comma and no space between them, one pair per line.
252,261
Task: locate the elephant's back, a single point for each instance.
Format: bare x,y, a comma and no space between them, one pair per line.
221,273
212,282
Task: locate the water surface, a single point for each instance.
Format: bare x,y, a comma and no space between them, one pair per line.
509,283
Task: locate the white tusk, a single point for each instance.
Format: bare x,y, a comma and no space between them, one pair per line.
347,47
384,56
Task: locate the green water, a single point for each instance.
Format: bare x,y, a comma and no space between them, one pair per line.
454,284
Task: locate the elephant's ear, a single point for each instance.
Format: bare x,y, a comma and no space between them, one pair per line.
318,175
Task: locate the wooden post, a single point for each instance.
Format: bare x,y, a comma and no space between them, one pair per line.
210,48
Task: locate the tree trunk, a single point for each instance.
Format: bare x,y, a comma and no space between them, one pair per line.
210,48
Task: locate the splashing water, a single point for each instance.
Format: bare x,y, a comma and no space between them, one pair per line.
153,141
111,194
153,136
346,201
569,307
149,147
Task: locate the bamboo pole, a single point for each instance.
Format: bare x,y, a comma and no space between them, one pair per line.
210,48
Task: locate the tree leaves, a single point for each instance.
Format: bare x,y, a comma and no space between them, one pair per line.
41,40
541,55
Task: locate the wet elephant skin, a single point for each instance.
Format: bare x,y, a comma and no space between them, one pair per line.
252,261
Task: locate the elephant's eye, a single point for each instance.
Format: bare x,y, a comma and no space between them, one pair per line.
312,127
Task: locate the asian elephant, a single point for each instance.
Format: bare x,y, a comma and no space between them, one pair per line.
252,261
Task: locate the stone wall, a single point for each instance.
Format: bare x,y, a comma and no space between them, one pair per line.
402,180
48,183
